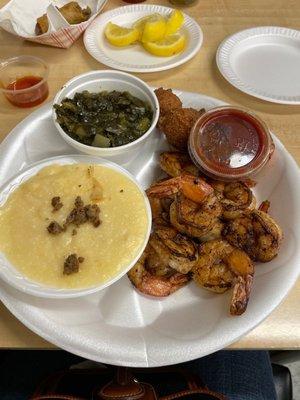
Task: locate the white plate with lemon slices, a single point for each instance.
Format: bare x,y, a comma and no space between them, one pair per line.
155,38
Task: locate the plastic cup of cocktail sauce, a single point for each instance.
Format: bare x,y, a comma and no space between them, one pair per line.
230,143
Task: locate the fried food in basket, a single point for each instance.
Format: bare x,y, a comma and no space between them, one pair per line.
72,12
42,25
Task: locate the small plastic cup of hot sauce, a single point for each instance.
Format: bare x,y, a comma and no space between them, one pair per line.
230,143
23,81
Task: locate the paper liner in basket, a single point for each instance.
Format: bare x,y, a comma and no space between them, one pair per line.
19,18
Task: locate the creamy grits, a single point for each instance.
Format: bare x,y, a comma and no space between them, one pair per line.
106,249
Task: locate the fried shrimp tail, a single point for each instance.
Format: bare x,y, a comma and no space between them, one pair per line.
240,295
264,206
243,270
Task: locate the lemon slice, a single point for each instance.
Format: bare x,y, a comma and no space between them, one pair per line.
166,47
154,28
118,36
140,23
174,22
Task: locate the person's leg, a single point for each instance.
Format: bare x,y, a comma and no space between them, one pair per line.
241,375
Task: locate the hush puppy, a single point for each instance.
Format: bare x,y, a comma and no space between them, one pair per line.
167,100
177,124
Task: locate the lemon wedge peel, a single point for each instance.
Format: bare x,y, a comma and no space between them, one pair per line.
174,22
166,47
119,36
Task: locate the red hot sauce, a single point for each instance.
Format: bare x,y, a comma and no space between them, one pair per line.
37,91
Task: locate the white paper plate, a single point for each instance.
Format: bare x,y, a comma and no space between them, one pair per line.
119,326
263,62
134,58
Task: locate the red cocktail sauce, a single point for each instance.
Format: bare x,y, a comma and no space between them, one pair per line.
27,98
230,143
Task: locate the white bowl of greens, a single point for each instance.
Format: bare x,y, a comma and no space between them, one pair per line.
106,113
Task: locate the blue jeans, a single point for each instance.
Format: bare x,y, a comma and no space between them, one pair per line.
241,375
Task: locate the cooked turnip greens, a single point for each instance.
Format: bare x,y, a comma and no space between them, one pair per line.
105,119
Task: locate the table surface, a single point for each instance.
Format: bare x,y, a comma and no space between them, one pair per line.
218,19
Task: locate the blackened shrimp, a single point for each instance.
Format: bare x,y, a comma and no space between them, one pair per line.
174,249
256,233
220,266
154,285
175,163
235,197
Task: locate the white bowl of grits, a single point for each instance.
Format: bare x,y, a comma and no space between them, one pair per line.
71,226
93,83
